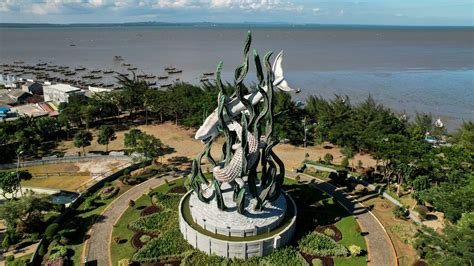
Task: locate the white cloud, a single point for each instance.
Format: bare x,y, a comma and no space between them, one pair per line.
316,9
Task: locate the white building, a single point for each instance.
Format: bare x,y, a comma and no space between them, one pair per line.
60,93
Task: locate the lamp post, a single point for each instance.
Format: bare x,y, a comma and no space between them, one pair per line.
18,153
304,140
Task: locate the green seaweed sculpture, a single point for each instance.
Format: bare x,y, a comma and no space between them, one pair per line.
246,122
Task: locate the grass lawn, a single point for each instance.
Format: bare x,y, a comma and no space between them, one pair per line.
64,176
125,250
351,236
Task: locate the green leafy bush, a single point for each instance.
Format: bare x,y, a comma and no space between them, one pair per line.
168,201
399,212
124,262
58,252
284,256
321,245
355,250
21,262
145,238
155,222
51,230
329,232
328,158
10,258
168,244
317,262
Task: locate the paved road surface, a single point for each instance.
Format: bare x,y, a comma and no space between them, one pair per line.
97,249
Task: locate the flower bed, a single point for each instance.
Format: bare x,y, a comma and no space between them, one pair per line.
179,190
150,210
321,245
331,231
108,192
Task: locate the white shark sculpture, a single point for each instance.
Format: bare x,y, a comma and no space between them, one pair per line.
209,130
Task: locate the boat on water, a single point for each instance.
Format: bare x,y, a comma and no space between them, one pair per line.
70,73
126,64
41,64
108,71
132,68
162,77
141,76
118,58
150,76
204,79
95,77
208,73
151,83
176,71
18,62
80,68
170,68
86,76
96,71
63,67
166,85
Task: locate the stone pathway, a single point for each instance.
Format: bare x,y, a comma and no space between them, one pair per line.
380,248
97,246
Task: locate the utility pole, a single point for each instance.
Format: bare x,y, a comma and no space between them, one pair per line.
18,153
304,140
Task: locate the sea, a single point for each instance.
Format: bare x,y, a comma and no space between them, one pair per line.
409,69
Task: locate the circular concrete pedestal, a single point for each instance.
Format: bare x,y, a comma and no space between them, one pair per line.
230,234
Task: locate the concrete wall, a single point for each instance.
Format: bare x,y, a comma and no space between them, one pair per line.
236,249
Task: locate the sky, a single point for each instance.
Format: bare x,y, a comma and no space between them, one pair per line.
370,12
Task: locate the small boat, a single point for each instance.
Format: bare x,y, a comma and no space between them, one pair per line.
86,76
204,79
132,68
108,71
118,58
162,77
126,64
141,76
166,85
124,74
63,67
96,71
41,64
95,77
208,73
151,83
80,68
150,76
175,71
70,73
72,44
18,62
170,68
108,85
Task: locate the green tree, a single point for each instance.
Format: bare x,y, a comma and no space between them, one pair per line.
454,247
328,158
106,135
82,139
130,139
10,182
145,144
465,135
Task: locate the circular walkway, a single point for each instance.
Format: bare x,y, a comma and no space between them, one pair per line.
380,248
96,249
379,245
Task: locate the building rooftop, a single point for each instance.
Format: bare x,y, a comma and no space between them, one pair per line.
62,87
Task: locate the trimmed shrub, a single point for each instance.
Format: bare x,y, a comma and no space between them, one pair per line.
58,252
329,232
42,250
108,192
51,230
117,239
321,245
22,262
6,241
145,238
168,244
317,262
10,258
355,250
131,203
124,262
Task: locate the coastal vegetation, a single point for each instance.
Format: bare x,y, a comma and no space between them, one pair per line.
437,178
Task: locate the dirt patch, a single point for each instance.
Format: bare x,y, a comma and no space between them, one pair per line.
150,210
337,236
327,261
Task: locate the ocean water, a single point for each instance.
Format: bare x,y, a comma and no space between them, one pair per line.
408,69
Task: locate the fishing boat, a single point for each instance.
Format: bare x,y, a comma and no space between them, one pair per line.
132,68
151,83
208,73
170,68
86,76
126,64
118,58
204,79
80,68
95,77
18,62
70,73
166,85
141,76
150,76
162,77
63,67
96,71
108,71
176,71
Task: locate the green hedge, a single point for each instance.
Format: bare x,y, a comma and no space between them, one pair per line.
321,245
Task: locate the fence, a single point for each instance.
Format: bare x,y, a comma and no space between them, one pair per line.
68,159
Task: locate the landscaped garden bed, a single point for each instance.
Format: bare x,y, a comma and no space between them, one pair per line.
318,215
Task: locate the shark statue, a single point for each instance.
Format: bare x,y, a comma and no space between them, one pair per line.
209,129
